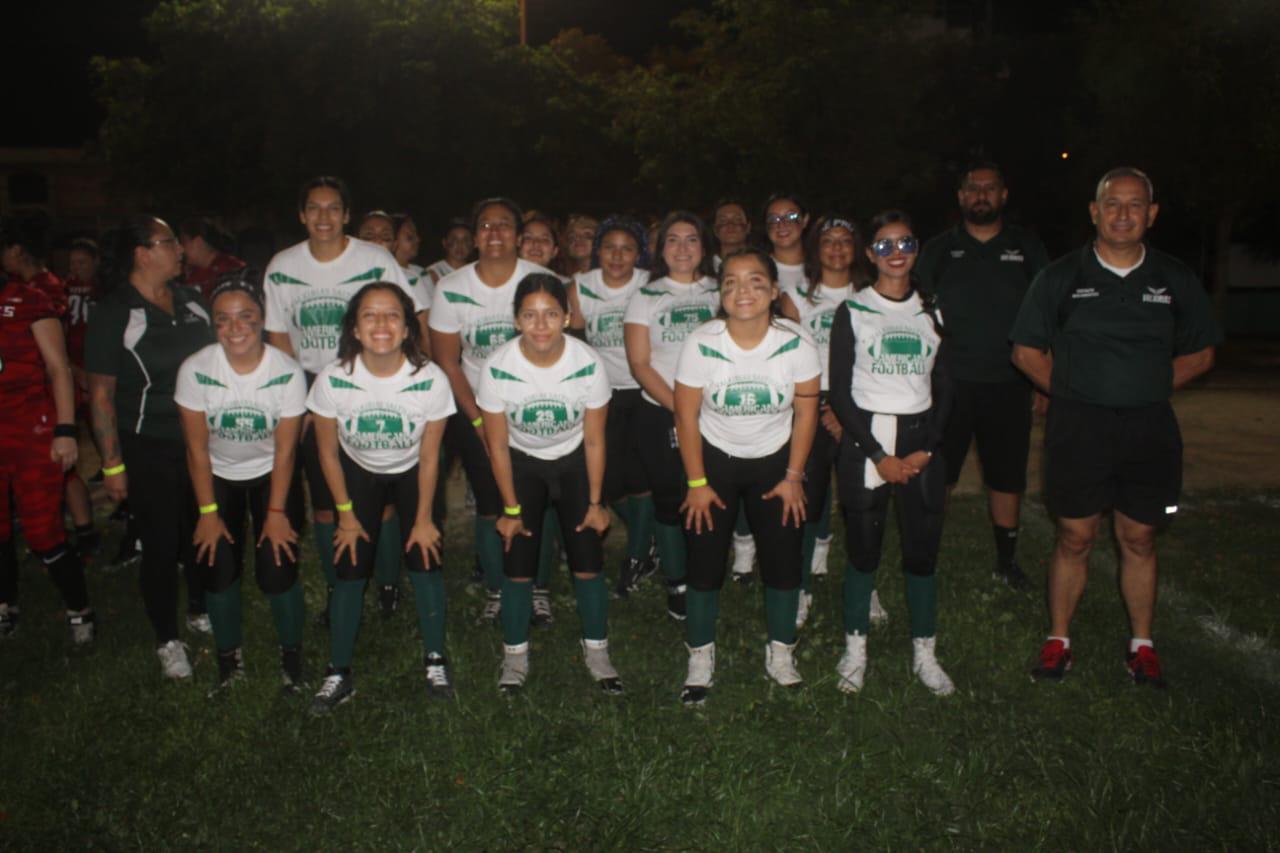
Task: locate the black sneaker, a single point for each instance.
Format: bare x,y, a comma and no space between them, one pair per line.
622,589
439,685
388,599
336,689
1013,576
291,668
230,671
322,618
676,600
542,615
491,611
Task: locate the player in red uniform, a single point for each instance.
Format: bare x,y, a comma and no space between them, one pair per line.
206,254
38,432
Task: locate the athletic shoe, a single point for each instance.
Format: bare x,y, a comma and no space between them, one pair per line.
633,573
8,620
780,664
821,549
82,628
199,622
322,618
334,690
1144,667
852,667
173,660
436,667
291,668
744,554
1012,576
879,616
230,671
388,599
1055,662
595,654
541,607
515,667
701,675
802,609
676,605
492,608
925,665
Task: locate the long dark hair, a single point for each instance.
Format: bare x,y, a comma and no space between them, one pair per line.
894,216
626,225
541,282
812,262
770,267
349,347
119,247
659,269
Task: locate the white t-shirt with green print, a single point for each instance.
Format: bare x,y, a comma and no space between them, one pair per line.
308,298
421,285
241,411
816,317
603,309
671,311
381,419
747,395
544,406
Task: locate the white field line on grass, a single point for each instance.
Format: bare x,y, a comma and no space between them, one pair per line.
1260,659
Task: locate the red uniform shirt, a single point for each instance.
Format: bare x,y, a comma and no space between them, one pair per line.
80,299
24,387
205,278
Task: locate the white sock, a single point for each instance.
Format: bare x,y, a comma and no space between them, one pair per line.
1136,643
1066,641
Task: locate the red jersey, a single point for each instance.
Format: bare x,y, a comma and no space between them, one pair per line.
204,278
24,388
80,298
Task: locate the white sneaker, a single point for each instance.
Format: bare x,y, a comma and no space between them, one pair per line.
81,625
701,675
780,664
925,665
173,660
879,615
802,609
852,667
542,607
744,554
821,549
492,608
199,622
515,667
595,653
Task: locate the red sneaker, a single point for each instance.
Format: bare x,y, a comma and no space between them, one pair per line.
1144,667
1055,660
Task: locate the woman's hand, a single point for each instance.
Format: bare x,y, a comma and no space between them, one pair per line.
509,527
791,493
427,537
597,518
209,529
830,422
64,451
280,533
697,507
116,486
894,470
345,538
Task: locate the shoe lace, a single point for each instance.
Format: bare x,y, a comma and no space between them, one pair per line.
492,607
541,604
329,686
437,673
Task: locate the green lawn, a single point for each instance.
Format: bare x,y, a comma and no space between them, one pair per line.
98,752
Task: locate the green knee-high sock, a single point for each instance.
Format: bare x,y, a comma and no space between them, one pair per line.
671,550
622,507
548,552
740,526
922,604
780,613
344,622
703,610
807,540
517,607
429,601
593,607
323,532
858,587
288,612
224,614
386,559
640,529
489,549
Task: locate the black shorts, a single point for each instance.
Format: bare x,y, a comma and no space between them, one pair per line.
623,471
238,499
544,483
464,441
1098,458
369,493
660,455
998,415
817,468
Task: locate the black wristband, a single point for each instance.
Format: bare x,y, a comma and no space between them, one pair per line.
66,431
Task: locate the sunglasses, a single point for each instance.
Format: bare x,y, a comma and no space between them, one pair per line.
884,246
778,218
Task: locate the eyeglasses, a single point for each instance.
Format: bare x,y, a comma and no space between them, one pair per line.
884,246
793,217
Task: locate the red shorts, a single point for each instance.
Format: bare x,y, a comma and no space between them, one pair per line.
35,483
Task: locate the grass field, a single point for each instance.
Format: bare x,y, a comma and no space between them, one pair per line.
98,752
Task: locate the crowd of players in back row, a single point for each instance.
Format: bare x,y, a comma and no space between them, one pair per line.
703,385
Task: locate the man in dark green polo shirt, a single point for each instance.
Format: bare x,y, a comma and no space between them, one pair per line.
979,271
1109,331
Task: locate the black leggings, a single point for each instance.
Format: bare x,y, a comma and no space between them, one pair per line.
623,471
235,498
745,480
919,502
464,440
369,493
161,500
817,470
541,484
663,467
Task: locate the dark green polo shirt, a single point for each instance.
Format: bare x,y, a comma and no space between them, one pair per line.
979,287
1114,339
142,347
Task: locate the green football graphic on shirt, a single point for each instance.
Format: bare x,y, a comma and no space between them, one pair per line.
490,333
378,427
243,422
606,330
820,326
683,319
899,351
544,416
747,397
319,319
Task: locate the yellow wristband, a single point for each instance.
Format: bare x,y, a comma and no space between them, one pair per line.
346,507
701,481
208,508
478,421
512,511
111,472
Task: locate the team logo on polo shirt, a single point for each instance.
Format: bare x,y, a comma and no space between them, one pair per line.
318,319
545,416
1012,255
900,351
376,426
1158,295
606,330
1085,293
489,333
241,421
748,395
681,319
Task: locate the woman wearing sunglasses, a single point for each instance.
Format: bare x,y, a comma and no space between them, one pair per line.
891,394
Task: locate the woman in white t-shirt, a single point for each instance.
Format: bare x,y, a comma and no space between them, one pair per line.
680,296
241,404
544,397
380,413
891,394
598,300
746,400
